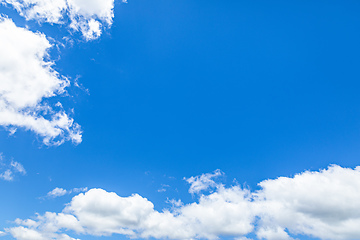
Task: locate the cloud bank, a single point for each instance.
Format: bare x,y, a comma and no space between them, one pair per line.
27,79
322,204
87,16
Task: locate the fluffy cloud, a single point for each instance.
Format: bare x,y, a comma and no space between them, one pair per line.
26,80
102,213
86,16
323,204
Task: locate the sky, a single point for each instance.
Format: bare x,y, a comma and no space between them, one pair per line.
169,119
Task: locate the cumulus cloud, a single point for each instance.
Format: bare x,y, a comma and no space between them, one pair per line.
203,182
322,204
27,79
87,16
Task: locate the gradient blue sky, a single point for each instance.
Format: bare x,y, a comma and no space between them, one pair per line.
258,89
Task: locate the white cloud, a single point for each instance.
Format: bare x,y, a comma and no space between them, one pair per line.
203,182
322,204
175,203
18,167
163,188
86,16
49,10
243,238
59,192
78,190
23,233
8,174
101,213
26,80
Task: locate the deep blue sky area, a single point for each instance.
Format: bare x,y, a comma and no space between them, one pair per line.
258,89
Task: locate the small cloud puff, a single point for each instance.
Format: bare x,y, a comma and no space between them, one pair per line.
203,182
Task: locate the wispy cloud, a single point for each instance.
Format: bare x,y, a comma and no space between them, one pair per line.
163,188
8,171
323,204
203,182
7,175
18,167
59,192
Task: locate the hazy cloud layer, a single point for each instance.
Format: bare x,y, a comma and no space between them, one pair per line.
323,204
87,16
27,79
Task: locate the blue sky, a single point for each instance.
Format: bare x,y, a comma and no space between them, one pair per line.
163,91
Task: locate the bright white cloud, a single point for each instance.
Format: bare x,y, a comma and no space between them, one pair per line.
26,80
203,182
323,204
23,233
87,16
